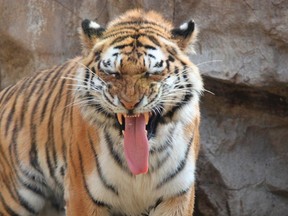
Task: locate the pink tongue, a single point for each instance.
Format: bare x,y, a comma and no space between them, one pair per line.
136,144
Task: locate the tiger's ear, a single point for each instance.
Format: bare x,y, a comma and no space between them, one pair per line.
90,33
185,35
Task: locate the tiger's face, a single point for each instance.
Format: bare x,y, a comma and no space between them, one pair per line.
137,75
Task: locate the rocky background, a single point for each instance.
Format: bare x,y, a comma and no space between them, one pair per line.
242,53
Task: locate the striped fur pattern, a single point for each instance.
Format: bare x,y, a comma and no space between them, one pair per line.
61,138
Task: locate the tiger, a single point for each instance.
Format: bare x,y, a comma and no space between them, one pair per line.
114,131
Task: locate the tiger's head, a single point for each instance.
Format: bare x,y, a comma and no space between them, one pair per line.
137,73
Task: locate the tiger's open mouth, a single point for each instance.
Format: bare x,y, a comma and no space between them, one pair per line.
137,130
151,120
121,118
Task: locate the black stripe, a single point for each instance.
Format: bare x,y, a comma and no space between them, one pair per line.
4,92
3,156
99,169
7,208
9,120
172,51
122,29
136,22
71,115
114,154
167,144
48,161
44,79
176,70
65,111
131,32
118,34
50,143
183,192
148,32
153,40
24,108
97,202
119,39
160,163
33,188
152,207
10,93
71,160
52,161
179,168
34,179
150,47
171,58
124,45
97,55
10,186
139,44
65,115
87,76
60,93
13,148
25,204
168,65
97,107
52,84
108,99
178,106
21,200
33,154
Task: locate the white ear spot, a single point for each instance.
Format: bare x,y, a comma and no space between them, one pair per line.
184,26
94,25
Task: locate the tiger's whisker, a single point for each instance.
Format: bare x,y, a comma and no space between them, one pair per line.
207,62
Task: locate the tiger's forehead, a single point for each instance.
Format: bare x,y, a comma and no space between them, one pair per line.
134,28
137,43
134,54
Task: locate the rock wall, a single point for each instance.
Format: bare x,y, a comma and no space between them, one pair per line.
242,53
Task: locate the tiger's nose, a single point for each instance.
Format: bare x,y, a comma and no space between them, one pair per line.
129,105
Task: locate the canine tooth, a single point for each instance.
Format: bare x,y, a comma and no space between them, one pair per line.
123,132
146,116
119,117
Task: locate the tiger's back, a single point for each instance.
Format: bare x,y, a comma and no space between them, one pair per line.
33,117
75,135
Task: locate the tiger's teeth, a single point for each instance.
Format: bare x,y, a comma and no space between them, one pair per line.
119,117
146,116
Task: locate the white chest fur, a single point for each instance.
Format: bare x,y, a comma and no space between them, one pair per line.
171,171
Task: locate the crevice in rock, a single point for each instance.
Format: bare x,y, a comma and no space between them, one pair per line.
250,97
